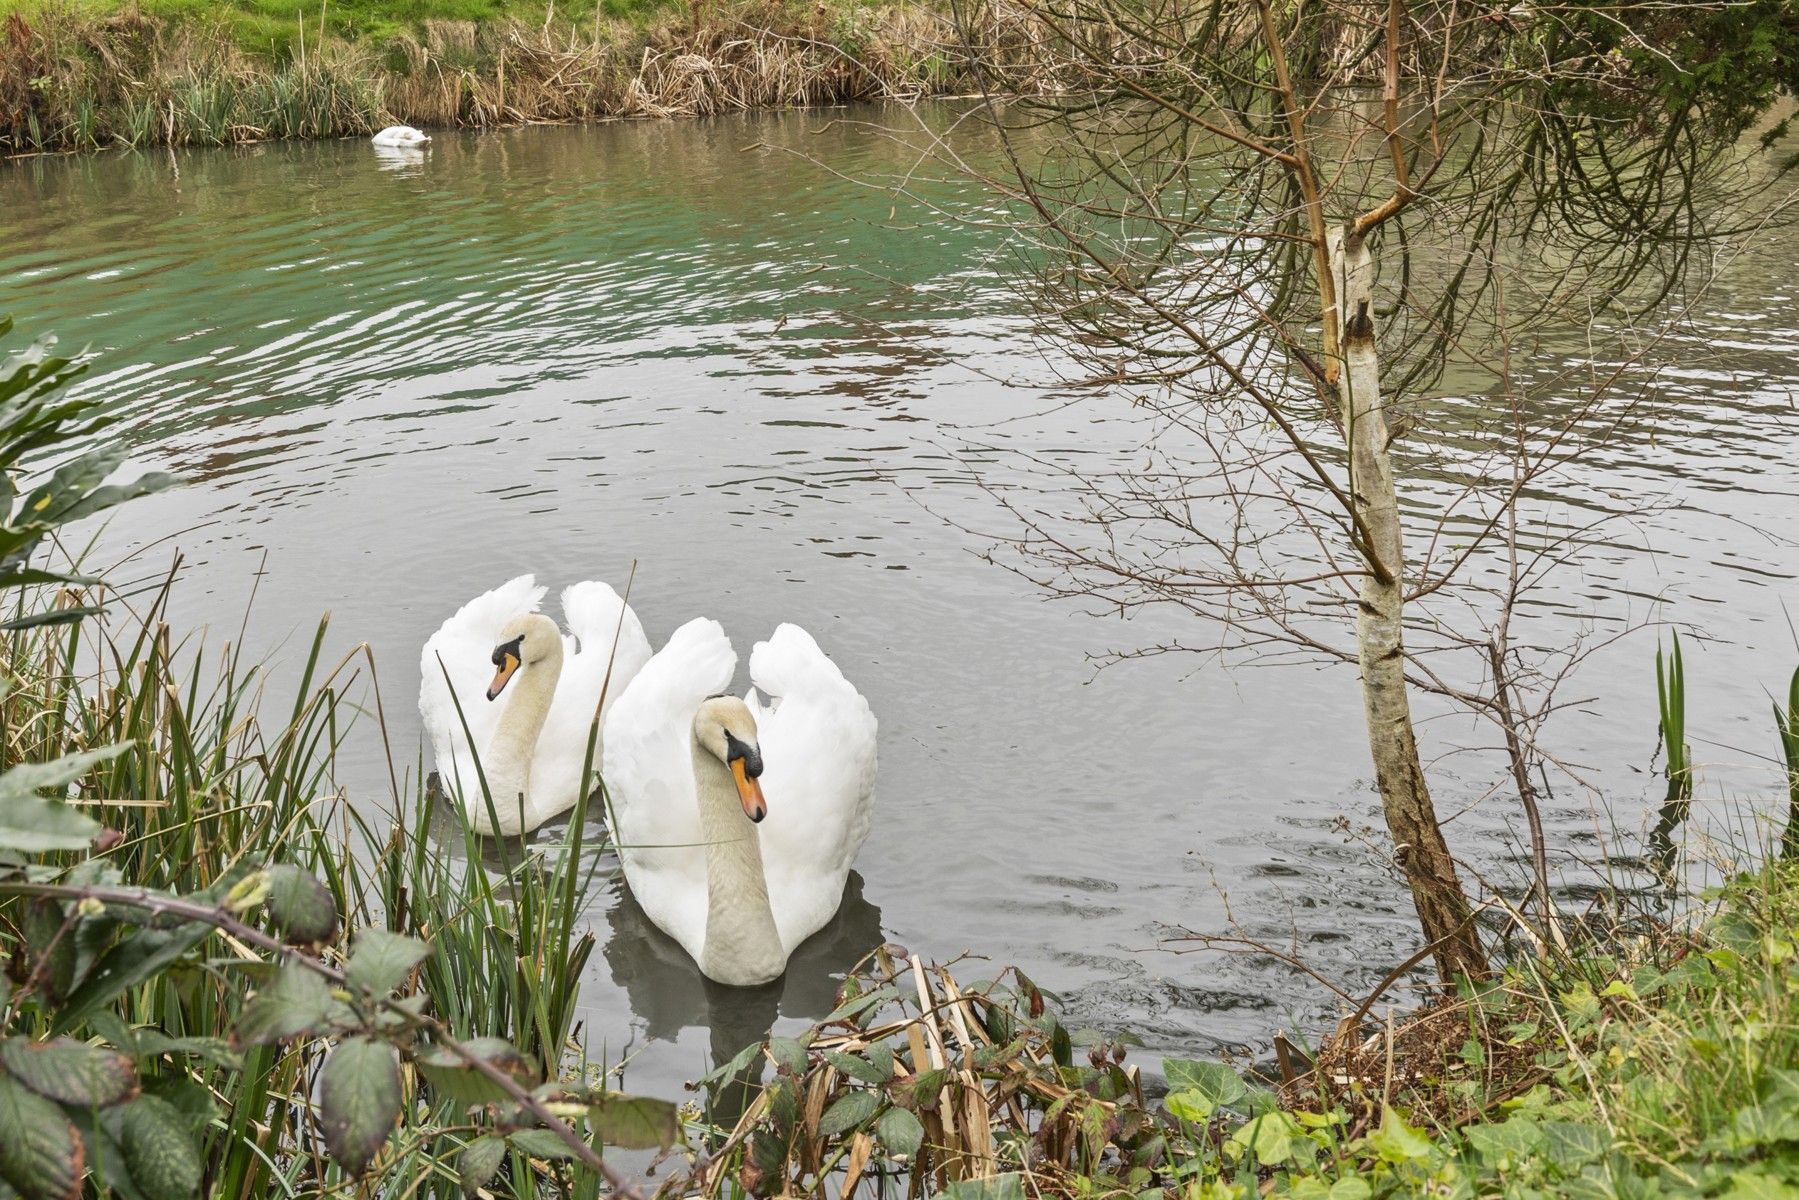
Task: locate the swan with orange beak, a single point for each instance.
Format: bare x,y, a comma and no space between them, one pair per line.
739,877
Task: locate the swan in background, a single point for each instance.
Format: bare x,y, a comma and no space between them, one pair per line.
400,135
737,820
527,695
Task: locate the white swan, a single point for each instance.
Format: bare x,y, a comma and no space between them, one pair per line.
527,695
400,135
737,820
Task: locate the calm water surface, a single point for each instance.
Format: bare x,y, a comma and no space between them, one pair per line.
736,354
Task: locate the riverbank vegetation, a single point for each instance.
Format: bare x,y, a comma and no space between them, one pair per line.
86,78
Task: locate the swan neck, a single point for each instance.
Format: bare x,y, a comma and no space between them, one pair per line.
742,945
508,761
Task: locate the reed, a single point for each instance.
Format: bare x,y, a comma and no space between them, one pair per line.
70,80
1786,726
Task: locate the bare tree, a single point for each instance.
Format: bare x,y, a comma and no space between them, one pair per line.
1312,242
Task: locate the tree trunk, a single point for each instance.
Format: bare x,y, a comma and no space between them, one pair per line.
1411,818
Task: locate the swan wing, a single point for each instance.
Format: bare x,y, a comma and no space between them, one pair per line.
818,754
591,669
455,668
648,769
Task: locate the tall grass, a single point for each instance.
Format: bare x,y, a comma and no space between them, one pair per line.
1786,725
227,769
72,80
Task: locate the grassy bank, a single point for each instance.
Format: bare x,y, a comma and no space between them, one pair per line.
187,73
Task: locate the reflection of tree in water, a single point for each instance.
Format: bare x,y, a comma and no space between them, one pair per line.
667,991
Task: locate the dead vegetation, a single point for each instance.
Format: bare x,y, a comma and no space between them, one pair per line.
917,1082
73,81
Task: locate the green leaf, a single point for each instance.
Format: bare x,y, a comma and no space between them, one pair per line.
540,1143
1215,1081
635,1122
295,1003
359,1101
1570,1146
34,825
159,1150
788,1054
1270,1137
213,1050
1513,1141
1191,1104
1009,1186
41,1155
27,779
899,1131
380,961
860,1068
1398,1142
480,1162
1351,1188
300,906
848,1112
135,958
454,1079
70,1072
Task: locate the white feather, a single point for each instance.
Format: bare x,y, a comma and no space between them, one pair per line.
817,738
607,648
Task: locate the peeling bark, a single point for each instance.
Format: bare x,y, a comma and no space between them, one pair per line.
1419,846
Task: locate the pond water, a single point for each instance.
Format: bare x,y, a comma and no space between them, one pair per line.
737,354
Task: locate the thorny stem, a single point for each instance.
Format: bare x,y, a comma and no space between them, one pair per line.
221,919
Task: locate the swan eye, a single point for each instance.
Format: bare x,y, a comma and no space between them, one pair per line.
735,749
512,648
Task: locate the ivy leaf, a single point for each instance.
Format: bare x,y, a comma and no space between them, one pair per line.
635,1122
849,1112
900,1131
454,1079
294,1003
1398,1142
480,1162
380,960
41,1155
159,1150
1571,1146
1214,1081
70,1072
359,1101
300,906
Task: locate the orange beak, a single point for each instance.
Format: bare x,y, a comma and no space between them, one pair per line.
750,792
508,664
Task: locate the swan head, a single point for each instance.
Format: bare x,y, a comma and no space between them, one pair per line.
726,729
525,640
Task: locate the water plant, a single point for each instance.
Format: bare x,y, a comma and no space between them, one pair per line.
1786,725
1671,701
